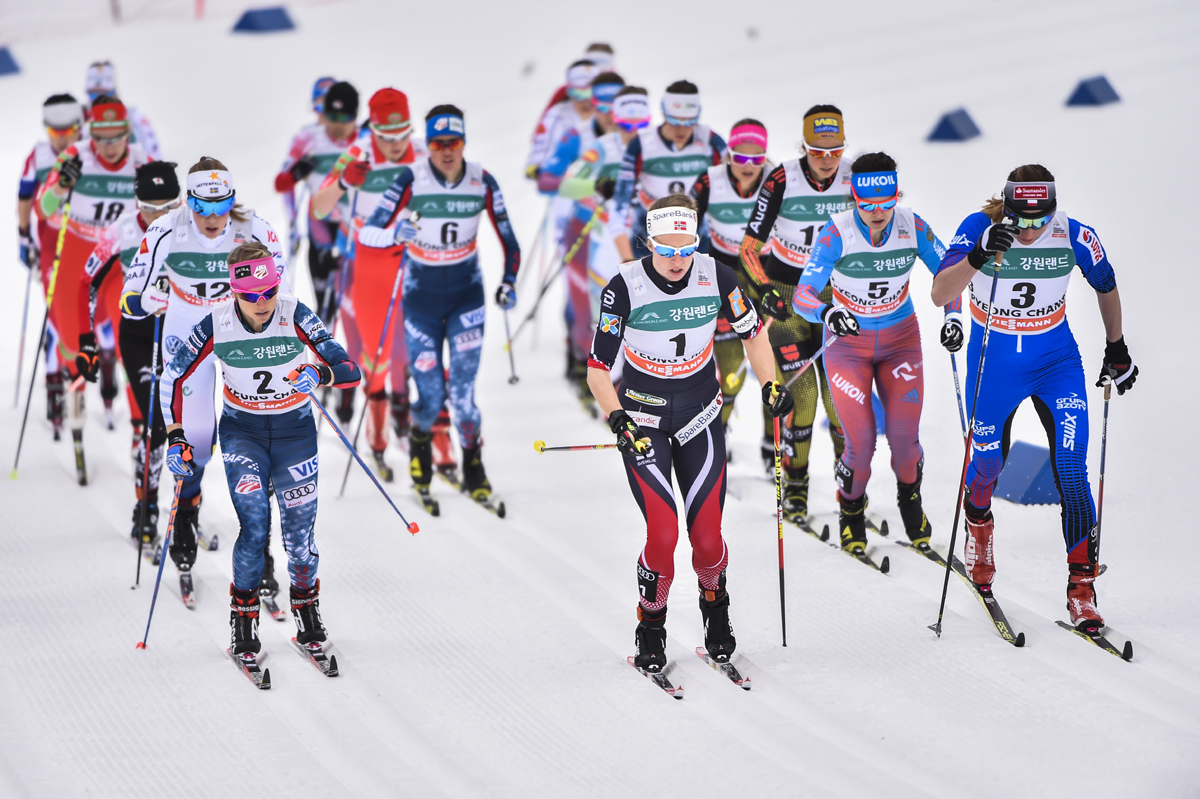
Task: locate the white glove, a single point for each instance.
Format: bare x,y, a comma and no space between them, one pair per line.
371,236
406,231
155,297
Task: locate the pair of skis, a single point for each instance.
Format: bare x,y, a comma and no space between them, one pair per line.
482,498
252,665
663,681
864,557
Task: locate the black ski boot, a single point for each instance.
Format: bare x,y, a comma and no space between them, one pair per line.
400,415
420,451
795,494
345,406
108,384
475,480
269,586
852,523
146,529
55,402
183,535
243,622
306,610
650,640
916,525
718,630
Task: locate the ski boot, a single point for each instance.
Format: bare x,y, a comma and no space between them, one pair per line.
400,415
243,622
420,450
268,586
306,610
55,403
795,494
345,406
1081,597
718,630
108,385
443,447
852,523
475,482
377,415
183,535
650,640
916,525
146,530
977,549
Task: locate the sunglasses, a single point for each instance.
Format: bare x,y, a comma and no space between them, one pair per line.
679,122
1033,224
741,159
103,140
866,206
334,116
67,131
580,94
671,252
210,207
391,137
825,152
255,296
151,208
601,108
627,125
437,145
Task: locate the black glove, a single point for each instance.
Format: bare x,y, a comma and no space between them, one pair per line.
952,335
631,440
70,172
28,246
840,321
774,304
506,296
606,187
87,361
778,399
997,239
303,168
1118,367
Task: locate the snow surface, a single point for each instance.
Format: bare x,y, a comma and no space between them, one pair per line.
485,657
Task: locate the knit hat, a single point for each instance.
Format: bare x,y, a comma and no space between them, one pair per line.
156,181
389,111
341,103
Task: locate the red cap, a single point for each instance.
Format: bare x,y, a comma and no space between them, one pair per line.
389,111
109,114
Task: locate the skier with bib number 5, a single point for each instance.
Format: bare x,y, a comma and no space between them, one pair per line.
1032,354
268,431
662,312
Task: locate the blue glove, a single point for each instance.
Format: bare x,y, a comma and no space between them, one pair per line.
406,230
506,296
307,377
179,454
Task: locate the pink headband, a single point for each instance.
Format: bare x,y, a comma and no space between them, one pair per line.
748,134
257,274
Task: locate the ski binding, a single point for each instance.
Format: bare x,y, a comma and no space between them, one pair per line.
728,669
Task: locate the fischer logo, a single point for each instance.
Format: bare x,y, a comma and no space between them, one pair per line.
1068,424
1071,403
852,391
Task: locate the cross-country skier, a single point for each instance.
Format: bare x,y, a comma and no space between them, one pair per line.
268,432
662,161
571,113
156,189
63,117
599,53
361,175
311,155
796,198
866,255
662,312
98,174
1032,354
443,284
180,266
101,80
725,197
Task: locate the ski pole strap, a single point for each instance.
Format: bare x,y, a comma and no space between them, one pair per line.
829,342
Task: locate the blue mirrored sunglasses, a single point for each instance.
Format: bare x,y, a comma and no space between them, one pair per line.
671,252
210,207
680,122
877,206
255,296
641,123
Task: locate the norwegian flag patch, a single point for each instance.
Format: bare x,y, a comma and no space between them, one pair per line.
680,225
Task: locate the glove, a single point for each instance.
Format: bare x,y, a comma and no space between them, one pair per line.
29,247
295,239
307,377
996,239
371,236
840,321
778,399
156,296
355,174
952,335
774,304
179,454
506,296
87,361
531,171
1118,367
406,231
606,187
70,172
631,440
303,168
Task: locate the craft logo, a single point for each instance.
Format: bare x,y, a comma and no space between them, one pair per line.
610,323
248,484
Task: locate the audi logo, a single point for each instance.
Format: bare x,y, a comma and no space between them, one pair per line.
300,491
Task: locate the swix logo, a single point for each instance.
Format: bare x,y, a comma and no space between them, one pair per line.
790,353
852,391
961,240
1071,403
304,470
904,371
1068,424
609,298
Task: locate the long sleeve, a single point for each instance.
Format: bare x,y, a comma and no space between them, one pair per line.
394,199
498,213
196,347
314,335
815,277
758,229
931,251
627,178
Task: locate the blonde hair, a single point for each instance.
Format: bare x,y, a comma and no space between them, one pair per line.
248,251
207,163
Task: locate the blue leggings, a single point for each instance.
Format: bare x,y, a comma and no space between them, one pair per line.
444,305
258,450
1046,369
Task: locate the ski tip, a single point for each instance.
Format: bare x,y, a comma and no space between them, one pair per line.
883,527
413,528
501,511
1127,651
825,533
538,445
265,685
333,667
885,565
1020,640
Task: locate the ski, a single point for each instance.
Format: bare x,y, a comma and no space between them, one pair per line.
150,549
251,666
427,501
386,473
489,503
882,566
925,551
109,420
315,654
277,613
209,542
1093,634
995,613
728,669
802,523
661,680
80,464
187,589
449,473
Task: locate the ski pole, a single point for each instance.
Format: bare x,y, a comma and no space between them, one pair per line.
58,248
540,446
779,523
566,260
162,561
24,323
411,526
804,366
387,323
512,366
962,416
146,435
962,480
537,248
1103,452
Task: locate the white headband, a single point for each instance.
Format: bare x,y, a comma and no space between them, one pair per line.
62,115
681,106
631,108
580,76
213,184
672,219
603,61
